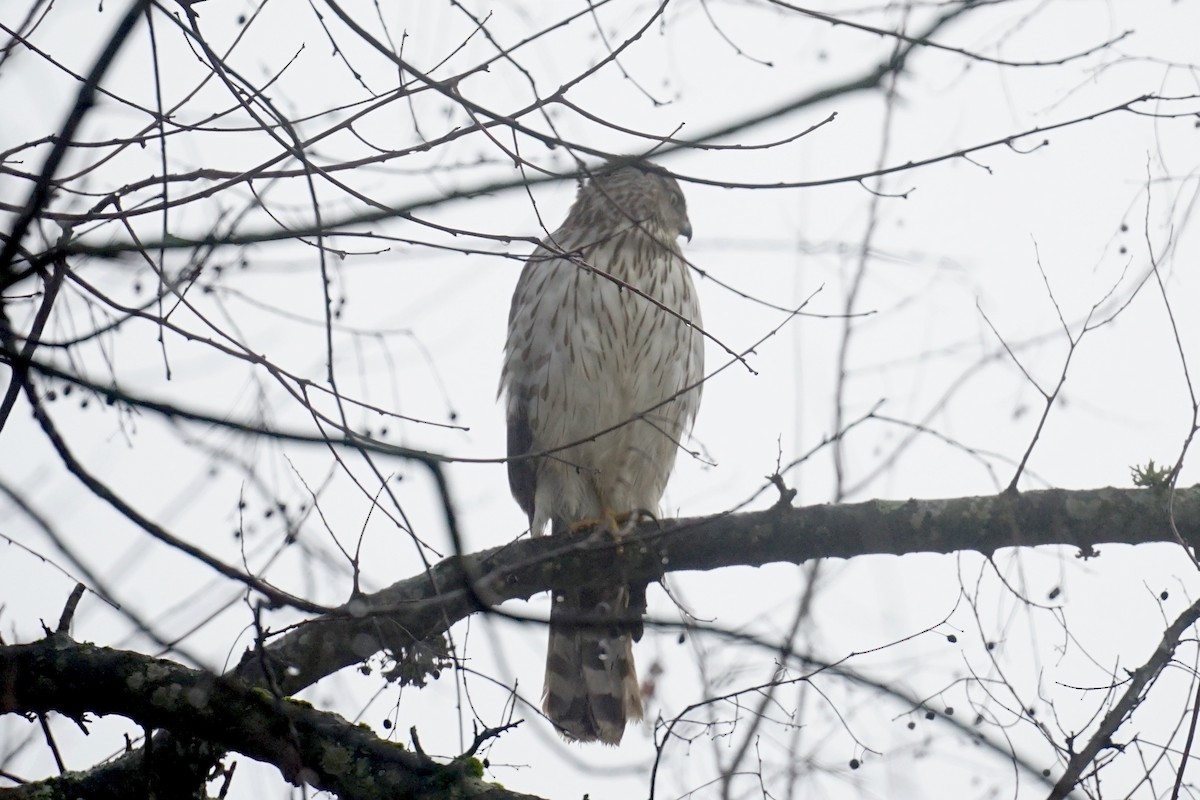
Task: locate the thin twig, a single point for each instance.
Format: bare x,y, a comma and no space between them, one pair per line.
1139,681
68,612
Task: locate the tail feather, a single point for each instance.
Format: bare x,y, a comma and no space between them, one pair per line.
591,682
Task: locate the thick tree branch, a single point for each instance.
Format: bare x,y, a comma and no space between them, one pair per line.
404,616
427,604
307,745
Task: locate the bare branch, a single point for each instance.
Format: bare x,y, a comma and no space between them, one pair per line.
1139,681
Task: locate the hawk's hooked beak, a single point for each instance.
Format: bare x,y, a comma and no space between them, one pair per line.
686,230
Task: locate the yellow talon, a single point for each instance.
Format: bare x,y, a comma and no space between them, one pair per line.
611,521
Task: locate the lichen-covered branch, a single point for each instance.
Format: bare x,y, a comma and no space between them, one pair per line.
307,745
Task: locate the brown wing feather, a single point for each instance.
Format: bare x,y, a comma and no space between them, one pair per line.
522,472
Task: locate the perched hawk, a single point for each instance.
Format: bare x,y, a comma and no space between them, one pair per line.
594,364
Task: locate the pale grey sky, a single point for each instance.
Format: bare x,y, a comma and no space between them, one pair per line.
949,243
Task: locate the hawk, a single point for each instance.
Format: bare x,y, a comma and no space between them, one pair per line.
601,377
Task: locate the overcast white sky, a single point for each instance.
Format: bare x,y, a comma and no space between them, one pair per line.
948,244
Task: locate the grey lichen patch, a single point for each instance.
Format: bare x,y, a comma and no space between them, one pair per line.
336,760
339,762
197,697
1080,507
925,513
157,672
44,792
135,681
364,645
919,517
167,696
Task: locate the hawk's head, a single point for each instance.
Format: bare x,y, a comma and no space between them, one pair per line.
636,193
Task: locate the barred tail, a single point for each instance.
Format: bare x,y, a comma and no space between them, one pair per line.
591,683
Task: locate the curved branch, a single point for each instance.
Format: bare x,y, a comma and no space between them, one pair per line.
307,745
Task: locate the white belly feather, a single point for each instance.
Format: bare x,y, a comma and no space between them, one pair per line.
595,356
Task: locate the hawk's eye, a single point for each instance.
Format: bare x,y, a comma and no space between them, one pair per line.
676,200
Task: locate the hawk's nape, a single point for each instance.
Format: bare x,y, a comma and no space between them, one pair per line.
601,376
